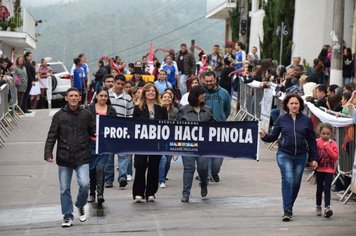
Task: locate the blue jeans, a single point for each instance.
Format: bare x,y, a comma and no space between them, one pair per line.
189,169
164,165
291,168
183,83
65,179
110,168
215,165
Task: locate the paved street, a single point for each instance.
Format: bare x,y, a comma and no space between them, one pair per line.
247,201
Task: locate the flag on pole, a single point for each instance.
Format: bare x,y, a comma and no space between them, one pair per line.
150,58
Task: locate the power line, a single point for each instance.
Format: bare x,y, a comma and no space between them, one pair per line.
154,38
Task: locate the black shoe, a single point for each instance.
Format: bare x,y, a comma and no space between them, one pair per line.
203,191
185,199
197,177
328,213
287,216
108,185
91,198
27,111
216,178
122,183
101,200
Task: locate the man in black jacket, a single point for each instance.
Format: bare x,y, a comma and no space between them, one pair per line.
71,127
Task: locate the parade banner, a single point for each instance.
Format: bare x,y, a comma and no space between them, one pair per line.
157,137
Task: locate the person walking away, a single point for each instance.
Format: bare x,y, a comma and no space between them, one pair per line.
149,108
219,100
195,111
71,127
122,103
99,106
186,67
328,154
297,140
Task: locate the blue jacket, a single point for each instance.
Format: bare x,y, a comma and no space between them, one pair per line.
219,101
297,136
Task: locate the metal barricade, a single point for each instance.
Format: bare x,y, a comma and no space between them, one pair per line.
8,115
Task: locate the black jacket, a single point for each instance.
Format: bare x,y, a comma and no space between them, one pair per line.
31,73
160,113
72,131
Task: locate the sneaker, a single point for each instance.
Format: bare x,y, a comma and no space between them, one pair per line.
129,177
108,185
101,200
203,191
151,199
138,199
122,183
287,216
82,215
185,199
91,198
216,178
67,223
162,185
328,213
197,177
318,210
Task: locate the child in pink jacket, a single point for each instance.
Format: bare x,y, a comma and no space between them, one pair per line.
328,154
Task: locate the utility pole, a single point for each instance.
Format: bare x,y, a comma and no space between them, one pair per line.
192,46
337,36
243,21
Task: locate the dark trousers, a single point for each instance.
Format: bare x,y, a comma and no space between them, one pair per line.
323,181
25,97
141,164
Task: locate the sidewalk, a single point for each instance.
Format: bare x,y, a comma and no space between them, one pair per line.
247,201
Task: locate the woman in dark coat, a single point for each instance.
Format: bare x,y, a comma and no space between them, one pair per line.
149,108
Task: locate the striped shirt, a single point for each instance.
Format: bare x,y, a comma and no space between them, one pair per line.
122,103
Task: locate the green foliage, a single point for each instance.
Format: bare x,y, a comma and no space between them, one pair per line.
4,25
276,12
235,21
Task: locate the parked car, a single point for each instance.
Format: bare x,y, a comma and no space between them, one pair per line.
61,80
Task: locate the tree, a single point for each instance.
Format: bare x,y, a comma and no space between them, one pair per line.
276,12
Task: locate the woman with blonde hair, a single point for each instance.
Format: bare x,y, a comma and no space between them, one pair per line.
149,108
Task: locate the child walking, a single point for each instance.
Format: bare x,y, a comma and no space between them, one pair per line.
328,154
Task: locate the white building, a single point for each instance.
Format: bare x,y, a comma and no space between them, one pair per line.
14,42
312,24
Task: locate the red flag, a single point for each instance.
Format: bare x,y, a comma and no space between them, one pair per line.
150,58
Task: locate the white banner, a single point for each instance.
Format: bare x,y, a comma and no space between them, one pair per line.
266,107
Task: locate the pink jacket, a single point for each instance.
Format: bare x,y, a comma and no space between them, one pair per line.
328,154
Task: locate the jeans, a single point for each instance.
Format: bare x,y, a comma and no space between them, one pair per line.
110,167
164,165
346,80
323,181
183,83
215,165
291,168
65,179
189,169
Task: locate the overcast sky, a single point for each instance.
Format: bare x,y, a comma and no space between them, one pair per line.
29,3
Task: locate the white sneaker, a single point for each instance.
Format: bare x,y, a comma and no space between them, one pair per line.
138,199
151,199
162,185
82,214
67,222
129,178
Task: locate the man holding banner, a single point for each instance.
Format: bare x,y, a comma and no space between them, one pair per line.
219,100
122,102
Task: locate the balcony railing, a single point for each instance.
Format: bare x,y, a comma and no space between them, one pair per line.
22,22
